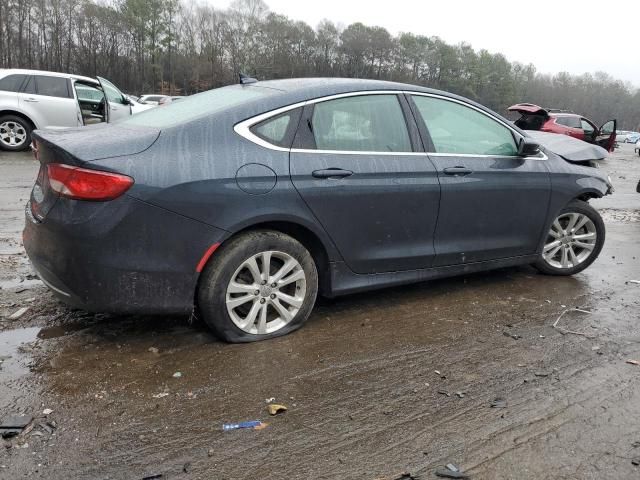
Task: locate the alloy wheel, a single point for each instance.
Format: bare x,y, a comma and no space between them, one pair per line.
12,134
571,240
266,292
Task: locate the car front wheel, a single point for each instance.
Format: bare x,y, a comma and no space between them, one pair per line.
259,285
574,240
15,133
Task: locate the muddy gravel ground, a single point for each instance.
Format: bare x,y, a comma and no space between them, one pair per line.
400,380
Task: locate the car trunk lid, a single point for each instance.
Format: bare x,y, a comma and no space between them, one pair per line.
528,109
79,147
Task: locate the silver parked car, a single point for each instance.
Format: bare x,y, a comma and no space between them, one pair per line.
31,99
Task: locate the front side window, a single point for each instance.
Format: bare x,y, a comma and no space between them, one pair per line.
11,83
113,94
587,127
369,123
52,86
456,128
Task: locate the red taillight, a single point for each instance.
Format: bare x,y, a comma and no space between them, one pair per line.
83,184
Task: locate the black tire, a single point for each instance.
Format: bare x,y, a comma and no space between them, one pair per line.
218,273
23,125
580,207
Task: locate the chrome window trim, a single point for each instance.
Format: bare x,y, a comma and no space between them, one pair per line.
243,128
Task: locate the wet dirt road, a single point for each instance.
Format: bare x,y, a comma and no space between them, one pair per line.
361,379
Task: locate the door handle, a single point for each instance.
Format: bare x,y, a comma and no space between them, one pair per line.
30,100
332,173
457,171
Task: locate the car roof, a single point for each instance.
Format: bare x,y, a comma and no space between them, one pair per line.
8,71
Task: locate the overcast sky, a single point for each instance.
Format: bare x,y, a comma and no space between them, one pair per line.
554,35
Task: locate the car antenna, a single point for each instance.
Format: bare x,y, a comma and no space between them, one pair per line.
246,79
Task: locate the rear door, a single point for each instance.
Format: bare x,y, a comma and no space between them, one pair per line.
119,107
355,164
51,100
606,137
493,203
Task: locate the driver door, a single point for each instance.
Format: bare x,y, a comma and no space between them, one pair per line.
606,137
119,107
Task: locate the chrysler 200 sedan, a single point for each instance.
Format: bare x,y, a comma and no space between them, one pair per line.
245,202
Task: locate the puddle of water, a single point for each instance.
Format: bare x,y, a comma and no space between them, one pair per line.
10,342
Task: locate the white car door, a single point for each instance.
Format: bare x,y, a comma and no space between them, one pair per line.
119,106
49,101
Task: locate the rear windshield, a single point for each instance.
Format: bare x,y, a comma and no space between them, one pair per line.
198,105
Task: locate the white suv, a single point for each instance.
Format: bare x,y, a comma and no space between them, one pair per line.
31,99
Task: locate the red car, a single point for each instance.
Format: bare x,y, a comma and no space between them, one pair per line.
534,117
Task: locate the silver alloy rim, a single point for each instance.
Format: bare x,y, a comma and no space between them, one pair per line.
266,292
571,240
12,133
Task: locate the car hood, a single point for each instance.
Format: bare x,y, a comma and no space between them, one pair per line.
96,142
569,148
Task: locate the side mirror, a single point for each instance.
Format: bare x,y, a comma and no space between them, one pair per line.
126,101
528,147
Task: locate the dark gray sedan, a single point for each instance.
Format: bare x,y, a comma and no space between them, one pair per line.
245,202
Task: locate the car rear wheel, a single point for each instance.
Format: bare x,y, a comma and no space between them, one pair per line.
260,285
574,241
15,133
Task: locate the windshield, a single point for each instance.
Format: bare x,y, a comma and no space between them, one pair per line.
197,105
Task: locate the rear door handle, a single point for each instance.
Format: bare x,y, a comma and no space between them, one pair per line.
457,171
332,173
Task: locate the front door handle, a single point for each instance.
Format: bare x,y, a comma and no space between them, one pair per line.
332,173
31,99
457,171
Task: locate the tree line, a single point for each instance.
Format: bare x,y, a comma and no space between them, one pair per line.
184,47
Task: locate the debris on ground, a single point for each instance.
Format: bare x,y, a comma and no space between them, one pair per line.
153,350
636,461
47,411
18,313
563,330
634,281
541,374
14,425
177,375
252,424
275,408
399,476
451,471
270,400
186,467
460,394
211,452
444,392
160,395
153,477
633,362
512,335
499,403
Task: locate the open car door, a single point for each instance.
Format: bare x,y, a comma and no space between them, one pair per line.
606,137
118,106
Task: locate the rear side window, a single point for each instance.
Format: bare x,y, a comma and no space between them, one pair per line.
456,128
278,130
12,83
573,122
367,123
52,86
198,105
